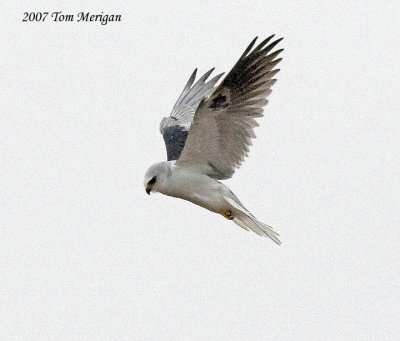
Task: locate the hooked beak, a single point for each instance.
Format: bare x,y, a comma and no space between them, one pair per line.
148,190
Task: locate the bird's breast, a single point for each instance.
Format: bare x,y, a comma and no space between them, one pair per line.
197,188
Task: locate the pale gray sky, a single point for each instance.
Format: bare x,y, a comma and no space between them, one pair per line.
85,254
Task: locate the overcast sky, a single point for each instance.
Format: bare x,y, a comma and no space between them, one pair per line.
85,254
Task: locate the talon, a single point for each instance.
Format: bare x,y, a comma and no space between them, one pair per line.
227,214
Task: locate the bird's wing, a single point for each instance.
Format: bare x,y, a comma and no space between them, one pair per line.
223,124
175,127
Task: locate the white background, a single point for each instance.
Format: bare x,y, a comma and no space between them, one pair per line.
85,254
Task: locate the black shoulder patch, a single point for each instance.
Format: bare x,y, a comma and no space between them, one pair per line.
219,102
174,138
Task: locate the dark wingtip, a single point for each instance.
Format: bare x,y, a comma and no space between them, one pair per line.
277,41
217,77
209,72
263,43
191,80
272,45
248,49
193,75
206,75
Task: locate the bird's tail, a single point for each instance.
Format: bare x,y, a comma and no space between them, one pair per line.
247,221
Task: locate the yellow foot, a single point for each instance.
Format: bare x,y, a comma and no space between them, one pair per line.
227,214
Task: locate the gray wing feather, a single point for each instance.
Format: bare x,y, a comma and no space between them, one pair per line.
175,127
174,138
222,128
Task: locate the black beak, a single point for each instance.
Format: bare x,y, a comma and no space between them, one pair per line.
148,190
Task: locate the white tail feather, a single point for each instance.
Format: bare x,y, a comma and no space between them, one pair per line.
247,221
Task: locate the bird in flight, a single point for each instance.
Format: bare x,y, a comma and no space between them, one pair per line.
208,134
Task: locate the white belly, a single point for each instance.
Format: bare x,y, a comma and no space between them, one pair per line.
197,188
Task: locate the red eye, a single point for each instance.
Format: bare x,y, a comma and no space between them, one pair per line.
152,181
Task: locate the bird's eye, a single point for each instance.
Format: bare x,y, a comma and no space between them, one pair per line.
152,181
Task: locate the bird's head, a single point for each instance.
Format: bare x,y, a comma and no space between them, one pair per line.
155,176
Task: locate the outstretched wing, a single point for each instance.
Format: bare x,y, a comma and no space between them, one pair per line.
223,125
175,128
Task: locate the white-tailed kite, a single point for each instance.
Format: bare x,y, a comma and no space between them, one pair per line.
208,133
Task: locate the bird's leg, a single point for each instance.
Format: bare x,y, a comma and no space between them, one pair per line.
227,214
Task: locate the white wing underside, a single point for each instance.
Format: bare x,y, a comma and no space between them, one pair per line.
185,107
175,127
